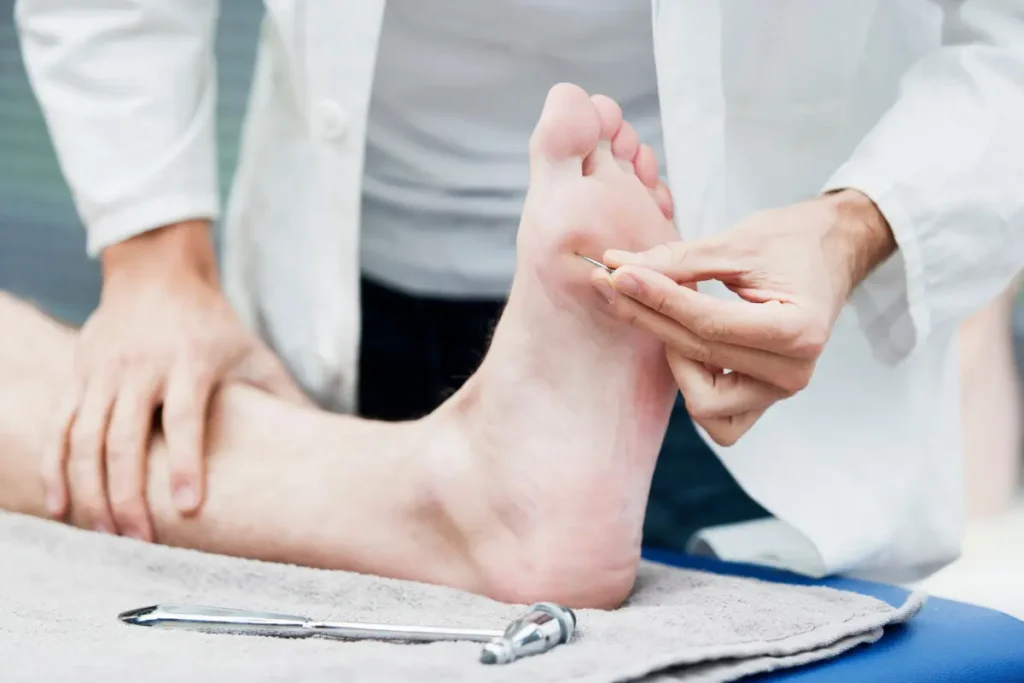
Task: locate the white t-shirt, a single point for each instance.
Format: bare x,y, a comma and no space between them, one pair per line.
458,88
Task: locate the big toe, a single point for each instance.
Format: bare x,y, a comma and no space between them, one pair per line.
566,133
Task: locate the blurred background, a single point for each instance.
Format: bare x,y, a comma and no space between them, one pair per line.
42,258
42,243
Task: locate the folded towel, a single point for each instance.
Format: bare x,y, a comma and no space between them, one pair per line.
62,589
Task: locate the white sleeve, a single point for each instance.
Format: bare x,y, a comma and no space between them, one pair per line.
945,165
128,91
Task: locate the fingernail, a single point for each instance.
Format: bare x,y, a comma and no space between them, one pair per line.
185,497
604,288
627,284
103,528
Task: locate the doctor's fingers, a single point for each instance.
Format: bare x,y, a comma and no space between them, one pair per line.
790,375
86,453
127,450
713,394
725,414
55,454
186,405
781,328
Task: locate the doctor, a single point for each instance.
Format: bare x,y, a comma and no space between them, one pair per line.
369,239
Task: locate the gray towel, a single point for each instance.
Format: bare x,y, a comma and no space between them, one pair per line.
62,589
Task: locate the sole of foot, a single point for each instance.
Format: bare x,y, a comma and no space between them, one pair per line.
560,428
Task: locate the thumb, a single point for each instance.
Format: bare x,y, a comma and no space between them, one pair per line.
706,259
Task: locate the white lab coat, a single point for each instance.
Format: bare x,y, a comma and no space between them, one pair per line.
920,105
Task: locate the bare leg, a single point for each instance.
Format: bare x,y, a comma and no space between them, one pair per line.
530,483
286,484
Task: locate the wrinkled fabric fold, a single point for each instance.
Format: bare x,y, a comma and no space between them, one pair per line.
63,590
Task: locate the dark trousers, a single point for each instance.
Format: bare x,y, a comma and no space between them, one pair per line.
416,351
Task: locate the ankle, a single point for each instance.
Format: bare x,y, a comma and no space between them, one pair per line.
448,512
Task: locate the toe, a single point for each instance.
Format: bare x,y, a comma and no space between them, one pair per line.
646,166
610,115
625,146
664,199
567,131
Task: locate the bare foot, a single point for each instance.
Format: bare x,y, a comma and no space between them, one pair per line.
529,484
562,424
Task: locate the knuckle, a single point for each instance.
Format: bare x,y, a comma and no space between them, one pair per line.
703,352
659,301
106,368
121,434
700,409
204,378
780,336
805,339
84,443
192,354
130,358
726,439
197,369
119,448
788,391
727,433
701,404
120,362
710,328
179,414
720,432
812,341
797,381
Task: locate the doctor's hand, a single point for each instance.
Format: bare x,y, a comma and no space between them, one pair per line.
793,269
163,334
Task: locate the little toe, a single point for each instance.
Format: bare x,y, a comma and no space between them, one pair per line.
566,133
610,114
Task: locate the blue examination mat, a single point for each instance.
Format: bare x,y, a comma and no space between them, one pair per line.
946,642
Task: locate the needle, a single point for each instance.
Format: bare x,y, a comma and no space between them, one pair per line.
596,263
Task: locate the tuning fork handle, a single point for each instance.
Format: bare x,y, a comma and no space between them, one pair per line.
217,619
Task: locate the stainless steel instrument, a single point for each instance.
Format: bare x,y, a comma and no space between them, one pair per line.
545,626
596,263
542,628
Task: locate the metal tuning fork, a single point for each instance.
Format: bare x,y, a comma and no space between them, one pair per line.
544,626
